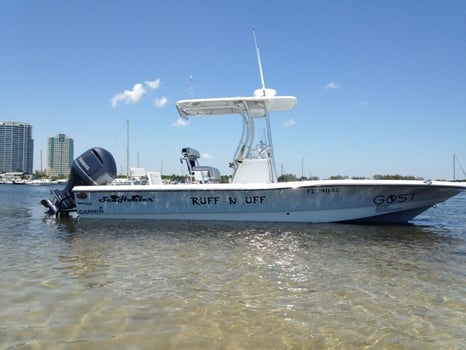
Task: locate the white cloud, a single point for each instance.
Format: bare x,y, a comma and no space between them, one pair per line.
289,123
152,84
129,96
331,86
180,122
160,102
206,156
135,94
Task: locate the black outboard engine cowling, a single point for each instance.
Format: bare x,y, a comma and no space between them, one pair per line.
96,166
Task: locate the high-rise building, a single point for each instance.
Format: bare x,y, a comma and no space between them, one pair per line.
60,151
16,147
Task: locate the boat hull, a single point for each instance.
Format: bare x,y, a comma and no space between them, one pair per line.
308,201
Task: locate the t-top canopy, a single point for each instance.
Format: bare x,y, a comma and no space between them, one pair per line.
256,107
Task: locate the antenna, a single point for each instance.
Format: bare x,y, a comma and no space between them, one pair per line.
191,86
259,60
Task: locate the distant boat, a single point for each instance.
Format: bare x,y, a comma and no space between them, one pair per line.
41,182
254,194
18,182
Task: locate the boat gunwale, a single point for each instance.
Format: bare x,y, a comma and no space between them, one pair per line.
458,186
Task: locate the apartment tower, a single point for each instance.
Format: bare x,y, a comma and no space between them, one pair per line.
60,150
16,147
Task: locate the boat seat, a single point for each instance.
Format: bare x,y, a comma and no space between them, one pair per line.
154,178
198,173
205,174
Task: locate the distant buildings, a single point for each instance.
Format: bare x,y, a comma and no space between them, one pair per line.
16,147
60,152
17,150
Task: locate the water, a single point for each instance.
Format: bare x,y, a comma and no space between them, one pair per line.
185,285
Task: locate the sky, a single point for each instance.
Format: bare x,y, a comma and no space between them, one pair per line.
381,85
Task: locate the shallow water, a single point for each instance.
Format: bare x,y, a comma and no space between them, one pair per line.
186,285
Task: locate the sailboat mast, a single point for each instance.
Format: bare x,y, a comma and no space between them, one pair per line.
127,148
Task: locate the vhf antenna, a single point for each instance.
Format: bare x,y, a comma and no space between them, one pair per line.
259,61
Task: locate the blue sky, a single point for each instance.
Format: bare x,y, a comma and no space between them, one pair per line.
381,85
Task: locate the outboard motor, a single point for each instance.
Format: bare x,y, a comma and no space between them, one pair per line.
96,166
